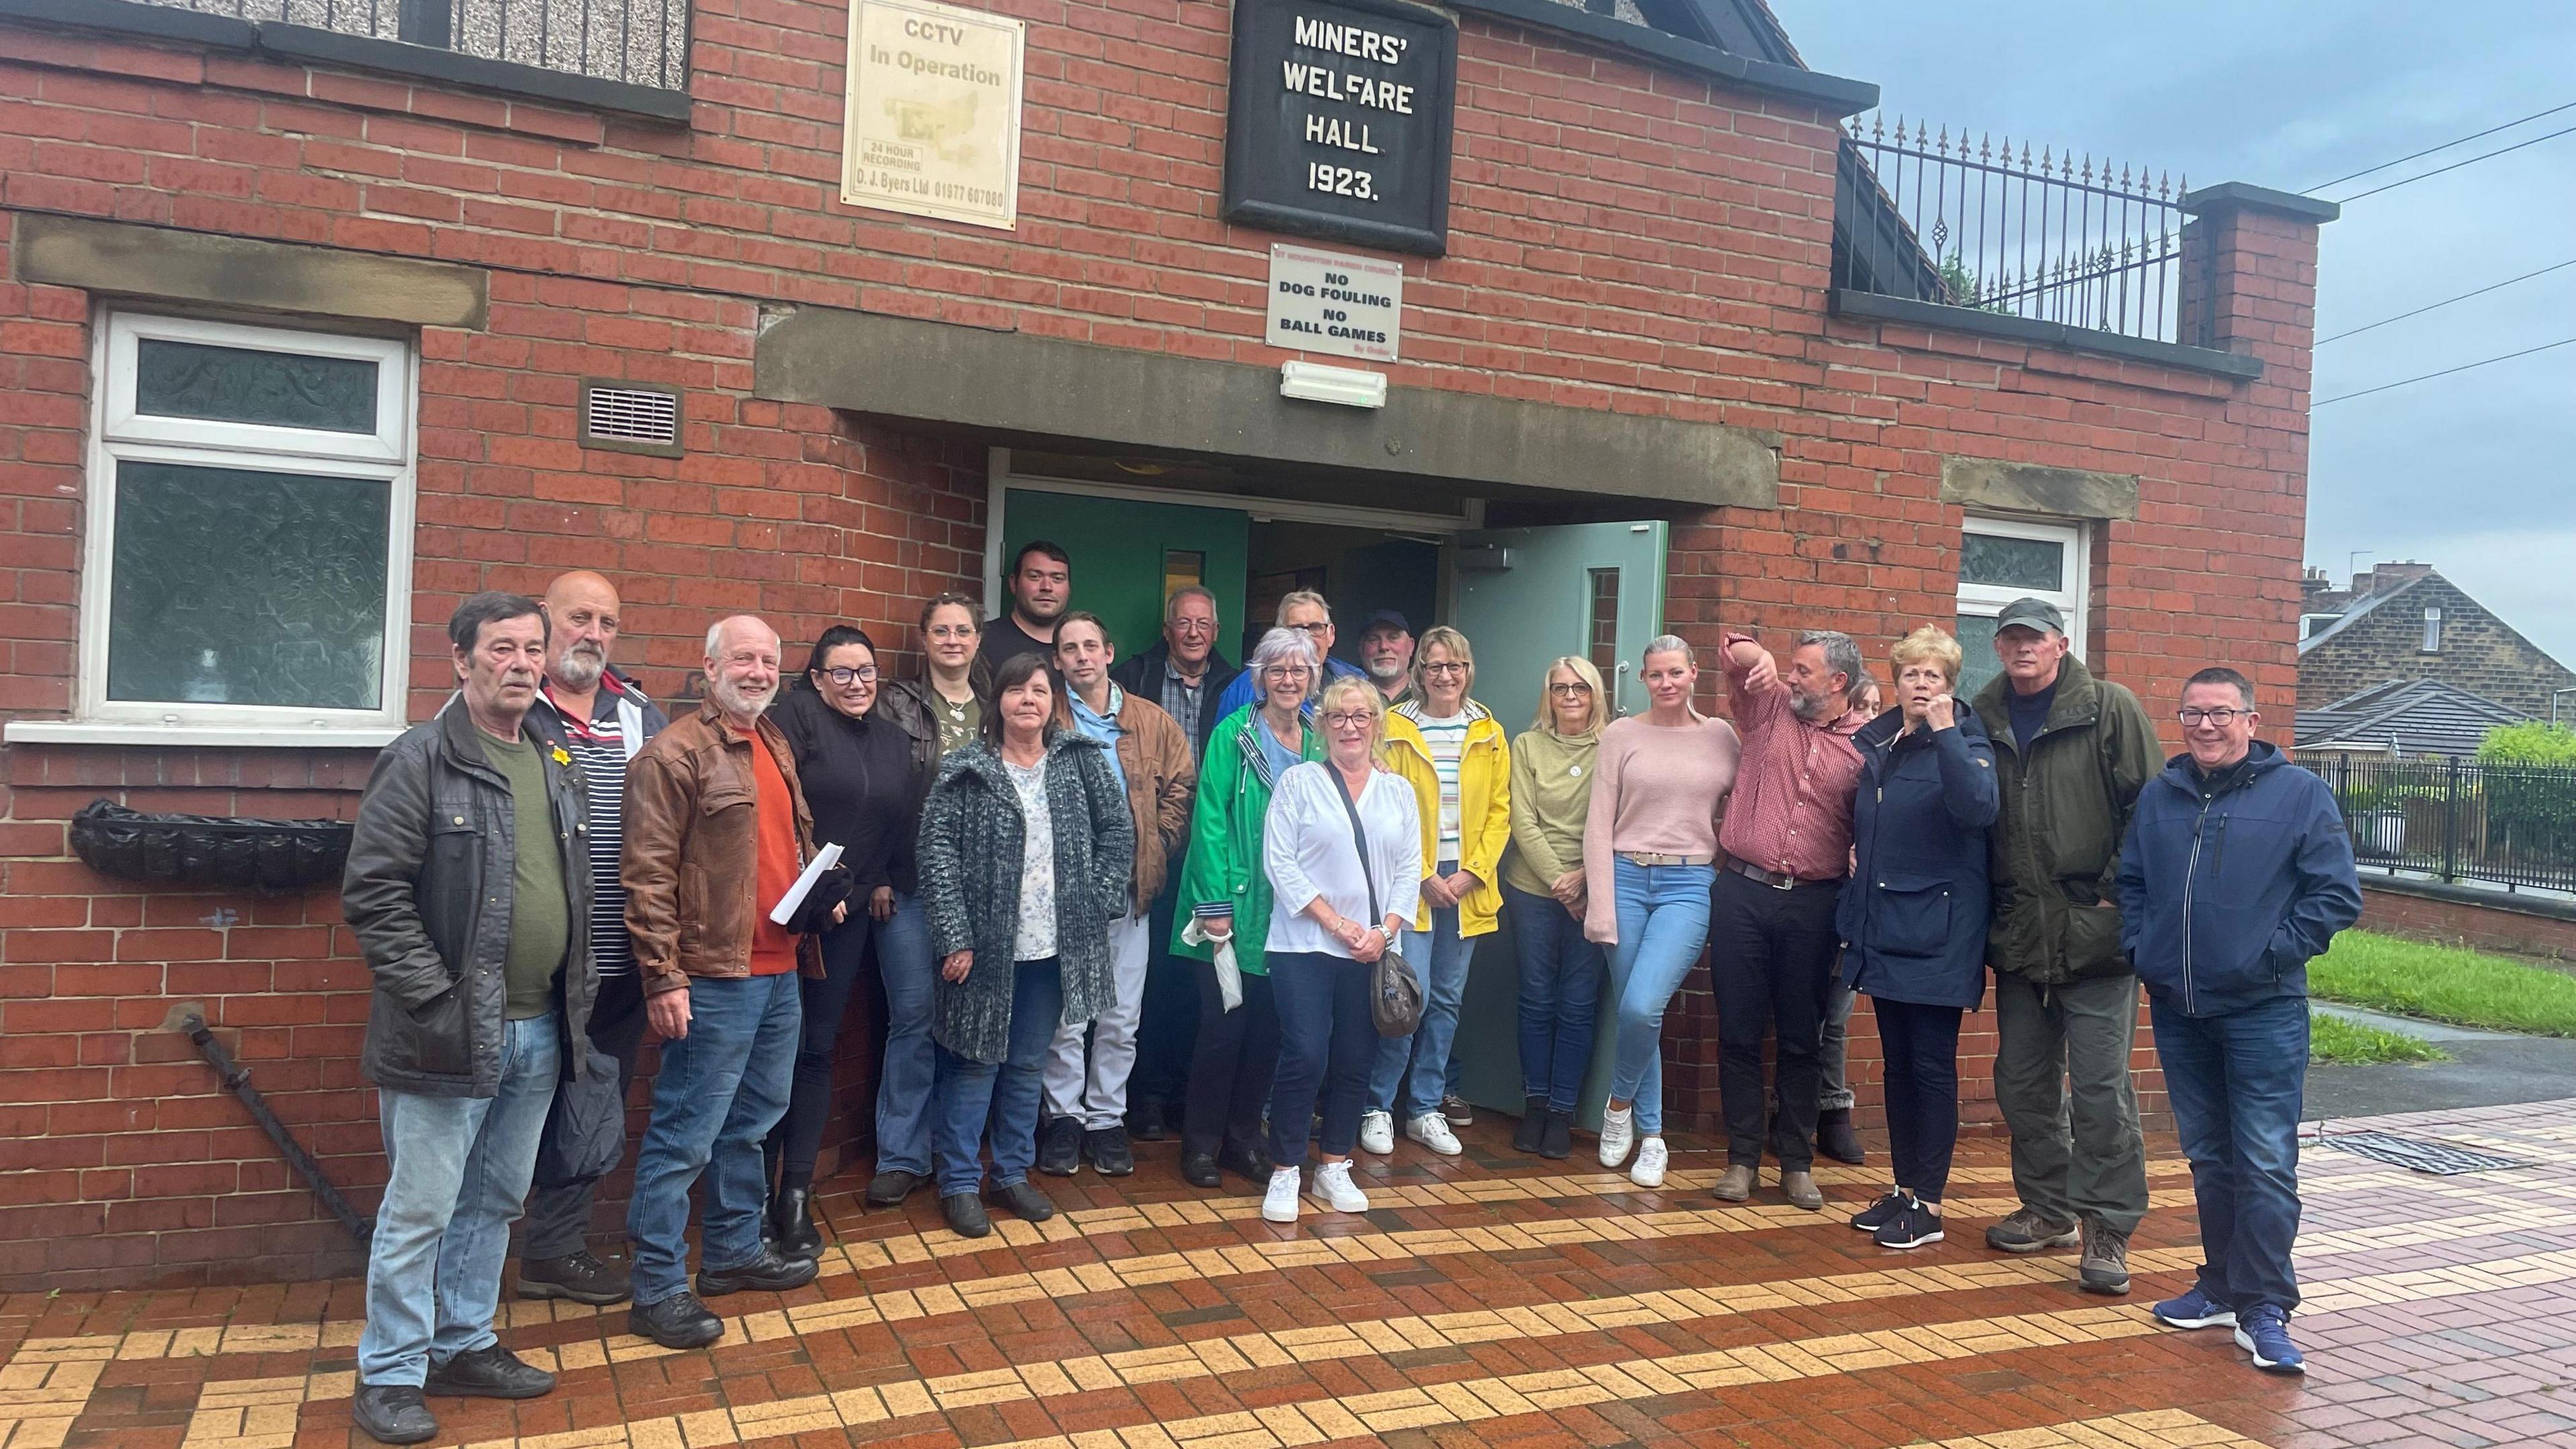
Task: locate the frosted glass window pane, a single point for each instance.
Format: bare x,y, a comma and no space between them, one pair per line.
244,385
1977,654
236,587
2014,563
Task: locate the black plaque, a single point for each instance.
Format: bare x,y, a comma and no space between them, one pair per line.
1339,119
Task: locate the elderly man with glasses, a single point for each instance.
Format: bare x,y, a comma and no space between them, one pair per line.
1306,612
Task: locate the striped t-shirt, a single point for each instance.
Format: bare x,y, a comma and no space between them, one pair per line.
599,746
1447,741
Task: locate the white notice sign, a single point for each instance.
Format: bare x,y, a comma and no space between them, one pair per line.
1328,302
933,124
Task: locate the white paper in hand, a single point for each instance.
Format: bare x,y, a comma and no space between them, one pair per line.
1229,978
823,860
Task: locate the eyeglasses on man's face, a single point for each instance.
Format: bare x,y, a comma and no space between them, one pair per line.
865,674
2221,718
1316,628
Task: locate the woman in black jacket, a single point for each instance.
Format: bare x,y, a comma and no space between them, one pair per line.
1913,918
865,756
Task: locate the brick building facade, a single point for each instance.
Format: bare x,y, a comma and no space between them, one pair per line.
2404,621
1634,316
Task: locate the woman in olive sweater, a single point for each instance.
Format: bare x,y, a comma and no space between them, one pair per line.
1224,899
1543,896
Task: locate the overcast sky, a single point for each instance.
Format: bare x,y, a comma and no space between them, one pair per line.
2469,473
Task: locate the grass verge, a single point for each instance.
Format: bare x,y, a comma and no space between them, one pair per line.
2349,1043
2439,983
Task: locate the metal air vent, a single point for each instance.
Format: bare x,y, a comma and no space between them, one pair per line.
630,418
2444,1159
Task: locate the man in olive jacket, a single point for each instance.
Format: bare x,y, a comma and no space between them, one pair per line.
2071,753
468,888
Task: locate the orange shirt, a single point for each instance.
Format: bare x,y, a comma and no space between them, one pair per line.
773,946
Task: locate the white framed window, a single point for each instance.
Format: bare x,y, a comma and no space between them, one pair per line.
2432,629
2003,559
248,561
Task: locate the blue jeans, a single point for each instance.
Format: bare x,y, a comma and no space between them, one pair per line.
1439,956
461,1168
1326,1042
1560,989
1663,923
2236,1083
911,1069
719,1091
1006,1092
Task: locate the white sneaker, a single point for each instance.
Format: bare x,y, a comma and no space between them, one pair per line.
1651,1157
1333,1185
1432,1130
1377,1132
1618,1130
1279,1204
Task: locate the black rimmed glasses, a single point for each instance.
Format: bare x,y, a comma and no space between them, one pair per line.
2222,718
844,677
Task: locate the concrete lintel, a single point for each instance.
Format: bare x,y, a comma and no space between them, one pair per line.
1852,302
2244,196
125,259
2033,488
1006,382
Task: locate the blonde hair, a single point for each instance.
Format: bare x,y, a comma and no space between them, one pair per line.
1349,686
1930,644
1582,669
1458,647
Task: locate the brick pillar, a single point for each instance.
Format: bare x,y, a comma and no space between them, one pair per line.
2249,281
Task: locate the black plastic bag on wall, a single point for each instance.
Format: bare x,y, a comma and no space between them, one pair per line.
223,852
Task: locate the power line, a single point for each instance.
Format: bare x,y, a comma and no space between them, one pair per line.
2454,166
2429,150
2445,372
2445,302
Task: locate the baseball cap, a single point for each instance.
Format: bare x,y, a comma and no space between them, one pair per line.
1388,618
2031,614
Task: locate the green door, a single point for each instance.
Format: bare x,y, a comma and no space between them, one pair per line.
1127,552
1525,596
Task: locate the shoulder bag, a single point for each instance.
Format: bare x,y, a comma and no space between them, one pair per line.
1395,992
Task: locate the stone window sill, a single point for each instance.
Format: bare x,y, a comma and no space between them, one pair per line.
198,736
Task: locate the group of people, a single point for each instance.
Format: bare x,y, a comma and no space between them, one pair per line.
1098,893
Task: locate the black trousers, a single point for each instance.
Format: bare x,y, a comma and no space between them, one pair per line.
1169,1028
1231,1071
559,1211
1771,957
796,1142
1920,1048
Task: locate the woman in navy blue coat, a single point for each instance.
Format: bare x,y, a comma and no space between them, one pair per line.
1913,918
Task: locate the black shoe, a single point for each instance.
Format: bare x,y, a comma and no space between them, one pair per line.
1107,1152
771,1272
491,1372
1148,1122
890,1187
1526,1137
1557,1142
1060,1147
1836,1139
965,1214
393,1414
577,1276
679,1321
1888,1207
1455,1108
1250,1162
1025,1202
791,1216
1199,1170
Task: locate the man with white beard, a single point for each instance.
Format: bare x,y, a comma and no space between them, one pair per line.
602,718
716,833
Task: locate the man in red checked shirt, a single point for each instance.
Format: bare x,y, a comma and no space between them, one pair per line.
1787,847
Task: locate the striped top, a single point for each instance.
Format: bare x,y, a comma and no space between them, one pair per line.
601,752
1447,741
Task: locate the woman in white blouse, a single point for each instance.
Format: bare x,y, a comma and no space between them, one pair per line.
1334,911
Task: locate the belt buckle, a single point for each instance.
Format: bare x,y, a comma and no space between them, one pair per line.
1783,881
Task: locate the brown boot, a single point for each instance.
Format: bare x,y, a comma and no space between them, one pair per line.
1801,1190
1736,1185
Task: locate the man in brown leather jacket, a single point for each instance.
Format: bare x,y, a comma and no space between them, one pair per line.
716,833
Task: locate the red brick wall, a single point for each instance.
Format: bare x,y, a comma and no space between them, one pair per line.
2467,923
1622,239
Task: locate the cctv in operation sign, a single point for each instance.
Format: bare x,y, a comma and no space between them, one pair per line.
933,121
1338,123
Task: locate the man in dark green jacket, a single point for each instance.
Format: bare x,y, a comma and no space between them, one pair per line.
2071,753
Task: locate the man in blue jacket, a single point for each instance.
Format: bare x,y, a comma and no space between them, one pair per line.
2236,872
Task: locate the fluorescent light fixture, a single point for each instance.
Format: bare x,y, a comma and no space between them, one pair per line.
1349,386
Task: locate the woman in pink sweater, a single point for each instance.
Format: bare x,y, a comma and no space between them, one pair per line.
1651,835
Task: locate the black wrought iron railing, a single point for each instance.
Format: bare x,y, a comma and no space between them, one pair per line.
2456,820
1965,221
639,42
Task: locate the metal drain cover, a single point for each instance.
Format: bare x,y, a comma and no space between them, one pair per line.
2444,1159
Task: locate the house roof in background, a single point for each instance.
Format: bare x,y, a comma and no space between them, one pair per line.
2361,608
2405,717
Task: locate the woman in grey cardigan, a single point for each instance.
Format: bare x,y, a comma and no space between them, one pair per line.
1027,850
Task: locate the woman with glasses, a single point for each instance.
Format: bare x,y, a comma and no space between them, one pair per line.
1344,858
1223,908
955,683
865,756
1451,750
1544,894
1650,831
1913,918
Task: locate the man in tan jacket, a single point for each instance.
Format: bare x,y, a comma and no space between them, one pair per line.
1087,1110
716,833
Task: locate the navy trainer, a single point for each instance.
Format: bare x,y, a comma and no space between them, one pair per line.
2264,1331
2194,1309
